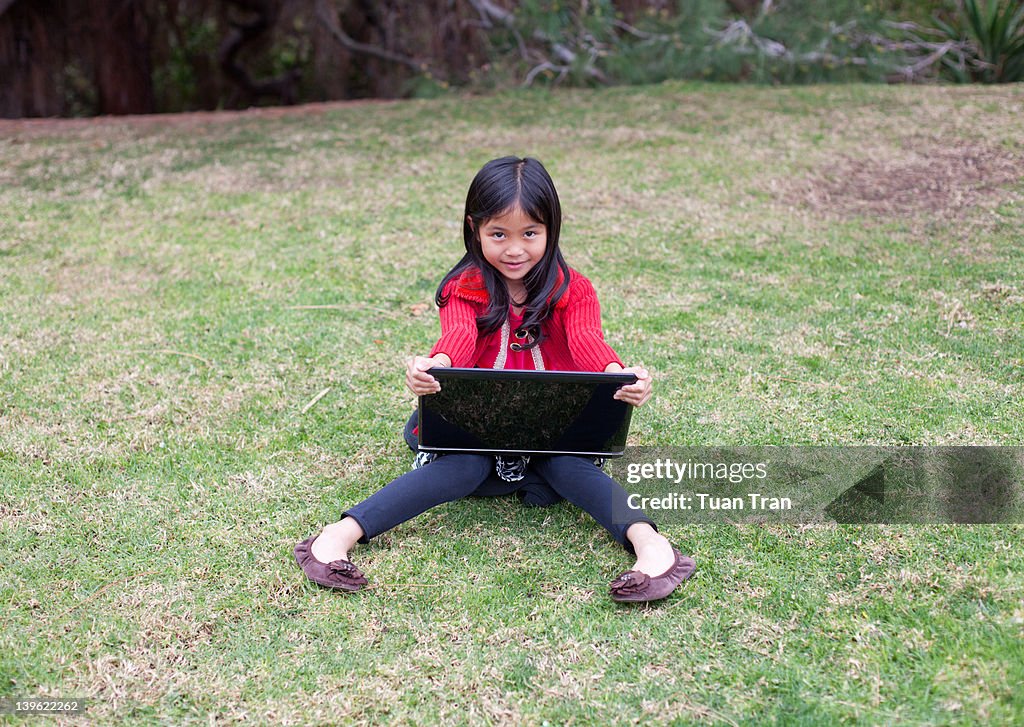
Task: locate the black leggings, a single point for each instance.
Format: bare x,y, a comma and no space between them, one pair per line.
454,476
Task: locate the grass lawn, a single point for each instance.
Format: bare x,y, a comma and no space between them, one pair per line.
203,328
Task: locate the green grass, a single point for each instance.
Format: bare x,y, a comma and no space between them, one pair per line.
158,351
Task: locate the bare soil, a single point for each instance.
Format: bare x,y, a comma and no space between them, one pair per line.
926,179
30,128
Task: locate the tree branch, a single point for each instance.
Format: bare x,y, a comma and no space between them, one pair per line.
918,55
327,14
545,66
492,15
623,25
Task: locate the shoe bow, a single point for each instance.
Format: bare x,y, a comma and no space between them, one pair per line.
346,570
629,582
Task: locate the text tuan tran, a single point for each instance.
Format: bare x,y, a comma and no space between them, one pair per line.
753,501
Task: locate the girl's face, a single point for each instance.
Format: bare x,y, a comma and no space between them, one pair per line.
513,243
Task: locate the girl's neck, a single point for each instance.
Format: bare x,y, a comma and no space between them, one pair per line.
516,293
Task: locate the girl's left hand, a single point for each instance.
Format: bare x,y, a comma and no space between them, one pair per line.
636,394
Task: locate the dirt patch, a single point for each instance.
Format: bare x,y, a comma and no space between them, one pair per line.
34,128
943,182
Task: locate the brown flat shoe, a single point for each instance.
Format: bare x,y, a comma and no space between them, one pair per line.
339,574
636,587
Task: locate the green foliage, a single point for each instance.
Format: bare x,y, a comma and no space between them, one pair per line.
179,82
78,90
804,41
994,33
797,41
917,11
425,85
675,46
801,41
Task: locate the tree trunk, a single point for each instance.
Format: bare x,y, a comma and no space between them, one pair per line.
29,55
122,67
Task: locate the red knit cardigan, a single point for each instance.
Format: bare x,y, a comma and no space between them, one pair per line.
573,340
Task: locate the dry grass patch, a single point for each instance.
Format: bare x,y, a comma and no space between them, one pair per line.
193,123
932,180
801,341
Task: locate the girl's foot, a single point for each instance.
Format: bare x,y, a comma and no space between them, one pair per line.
338,574
658,571
654,553
336,540
324,558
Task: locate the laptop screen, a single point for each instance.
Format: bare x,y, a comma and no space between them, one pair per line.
525,412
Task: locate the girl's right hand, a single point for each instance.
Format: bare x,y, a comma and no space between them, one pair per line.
418,380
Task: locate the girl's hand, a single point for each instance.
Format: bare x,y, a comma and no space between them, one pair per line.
636,394
417,378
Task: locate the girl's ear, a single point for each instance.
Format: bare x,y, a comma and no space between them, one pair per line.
469,221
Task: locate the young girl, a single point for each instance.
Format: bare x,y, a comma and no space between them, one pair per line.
511,302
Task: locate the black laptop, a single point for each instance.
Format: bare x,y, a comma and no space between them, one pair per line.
492,411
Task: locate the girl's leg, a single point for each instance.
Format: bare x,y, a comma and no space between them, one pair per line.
447,478
579,481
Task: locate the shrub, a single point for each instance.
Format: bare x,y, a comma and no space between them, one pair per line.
992,32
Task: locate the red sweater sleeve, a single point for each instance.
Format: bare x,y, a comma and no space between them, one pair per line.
583,329
458,330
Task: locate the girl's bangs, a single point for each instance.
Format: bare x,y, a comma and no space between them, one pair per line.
534,212
533,206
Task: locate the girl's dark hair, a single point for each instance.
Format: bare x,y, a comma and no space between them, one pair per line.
500,186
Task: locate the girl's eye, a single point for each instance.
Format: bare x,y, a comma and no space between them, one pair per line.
531,233
498,235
